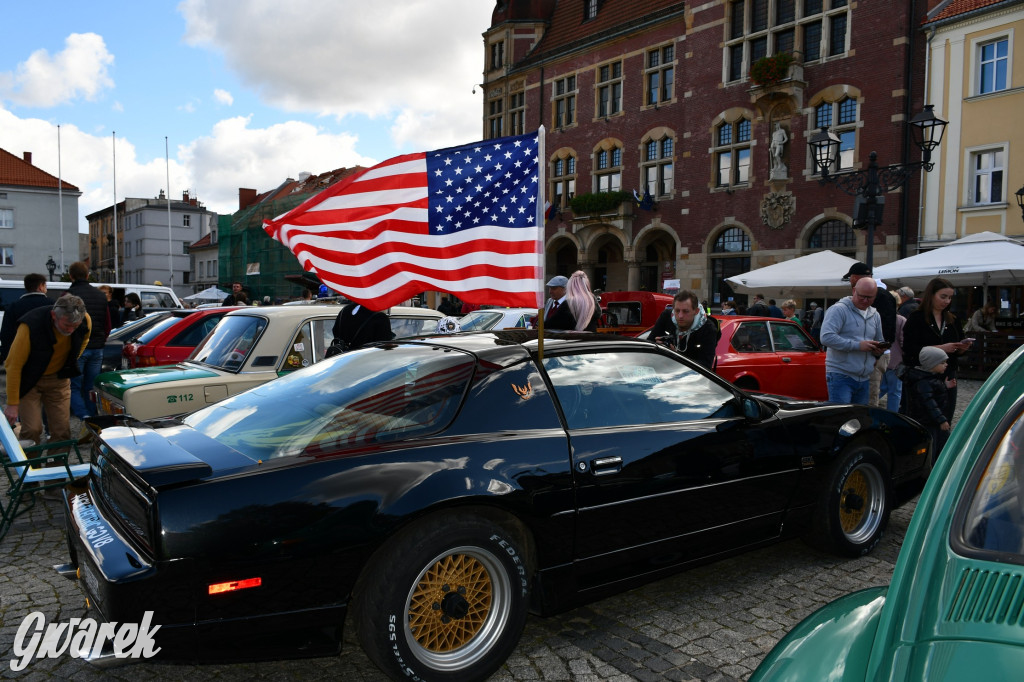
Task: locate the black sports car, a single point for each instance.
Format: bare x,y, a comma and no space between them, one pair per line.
437,489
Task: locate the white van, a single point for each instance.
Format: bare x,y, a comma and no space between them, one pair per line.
153,297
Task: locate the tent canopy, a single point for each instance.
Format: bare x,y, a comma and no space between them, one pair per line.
208,294
980,259
817,275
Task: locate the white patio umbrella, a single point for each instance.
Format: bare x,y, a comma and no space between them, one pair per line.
208,294
982,259
816,275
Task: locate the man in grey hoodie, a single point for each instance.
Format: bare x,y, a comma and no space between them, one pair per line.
852,333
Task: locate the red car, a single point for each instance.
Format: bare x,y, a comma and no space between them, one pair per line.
770,355
172,340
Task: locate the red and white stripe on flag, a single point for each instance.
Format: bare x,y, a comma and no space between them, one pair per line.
462,220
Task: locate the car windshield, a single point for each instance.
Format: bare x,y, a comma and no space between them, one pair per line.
995,517
412,326
480,319
372,395
230,342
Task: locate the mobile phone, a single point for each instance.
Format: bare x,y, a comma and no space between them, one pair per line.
967,341
882,345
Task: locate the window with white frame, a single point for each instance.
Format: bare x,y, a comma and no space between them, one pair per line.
657,166
841,117
497,55
609,89
608,170
659,74
993,65
818,29
564,99
516,113
590,9
6,217
986,180
563,180
186,220
732,153
494,118
7,255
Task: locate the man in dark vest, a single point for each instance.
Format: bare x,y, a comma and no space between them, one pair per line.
43,358
90,363
34,297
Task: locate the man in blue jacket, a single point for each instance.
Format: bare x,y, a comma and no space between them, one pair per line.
852,333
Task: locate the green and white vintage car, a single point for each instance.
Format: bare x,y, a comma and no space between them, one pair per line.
249,347
955,607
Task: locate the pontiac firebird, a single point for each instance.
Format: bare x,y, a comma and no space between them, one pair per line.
436,490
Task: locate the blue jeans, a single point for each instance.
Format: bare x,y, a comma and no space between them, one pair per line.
892,388
90,362
843,388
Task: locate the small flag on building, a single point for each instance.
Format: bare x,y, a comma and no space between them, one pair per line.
462,220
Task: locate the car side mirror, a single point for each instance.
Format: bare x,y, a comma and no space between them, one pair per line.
751,409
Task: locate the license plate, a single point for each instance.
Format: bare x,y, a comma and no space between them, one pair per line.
91,583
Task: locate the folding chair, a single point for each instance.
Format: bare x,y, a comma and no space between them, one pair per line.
26,474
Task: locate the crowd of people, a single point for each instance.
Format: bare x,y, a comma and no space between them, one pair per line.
882,348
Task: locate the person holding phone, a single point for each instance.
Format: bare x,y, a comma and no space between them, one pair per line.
934,324
851,333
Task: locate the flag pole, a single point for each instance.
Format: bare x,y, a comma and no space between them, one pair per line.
170,266
60,202
542,228
113,152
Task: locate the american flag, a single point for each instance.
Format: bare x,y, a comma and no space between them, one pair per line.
462,220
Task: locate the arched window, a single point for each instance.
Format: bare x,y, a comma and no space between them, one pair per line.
841,117
834,235
730,256
657,166
608,170
563,179
732,153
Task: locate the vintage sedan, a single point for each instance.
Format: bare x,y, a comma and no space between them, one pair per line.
172,340
953,610
436,489
770,355
497,318
248,347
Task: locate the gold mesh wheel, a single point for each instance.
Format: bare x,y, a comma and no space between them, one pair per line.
454,584
457,608
861,506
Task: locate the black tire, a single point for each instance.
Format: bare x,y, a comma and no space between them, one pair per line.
446,600
854,508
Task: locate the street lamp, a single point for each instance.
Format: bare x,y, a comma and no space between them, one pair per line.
870,186
51,266
1020,201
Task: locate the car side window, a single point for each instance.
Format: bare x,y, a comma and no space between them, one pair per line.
751,337
632,387
323,334
508,399
995,516
790,337
196,332
300,351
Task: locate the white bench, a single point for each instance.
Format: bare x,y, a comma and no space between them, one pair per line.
26,474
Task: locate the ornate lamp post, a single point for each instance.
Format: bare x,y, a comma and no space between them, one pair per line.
51,266
1020,201
870,186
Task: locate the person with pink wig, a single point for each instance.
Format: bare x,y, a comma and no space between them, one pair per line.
579,311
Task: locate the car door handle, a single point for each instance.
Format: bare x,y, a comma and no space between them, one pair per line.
785,359
606,465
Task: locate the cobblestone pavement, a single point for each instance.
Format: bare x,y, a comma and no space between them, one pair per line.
712,623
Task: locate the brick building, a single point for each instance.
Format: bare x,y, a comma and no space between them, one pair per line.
658,96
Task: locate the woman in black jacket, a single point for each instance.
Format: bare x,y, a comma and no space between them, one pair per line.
932,324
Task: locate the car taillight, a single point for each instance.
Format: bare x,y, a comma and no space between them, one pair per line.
219,588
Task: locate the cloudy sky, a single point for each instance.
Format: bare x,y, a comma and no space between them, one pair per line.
246,92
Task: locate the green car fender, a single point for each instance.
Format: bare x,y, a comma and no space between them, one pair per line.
833,644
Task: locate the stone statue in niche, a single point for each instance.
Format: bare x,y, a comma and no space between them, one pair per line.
777,149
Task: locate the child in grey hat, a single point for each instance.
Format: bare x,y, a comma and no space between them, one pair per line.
927,394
